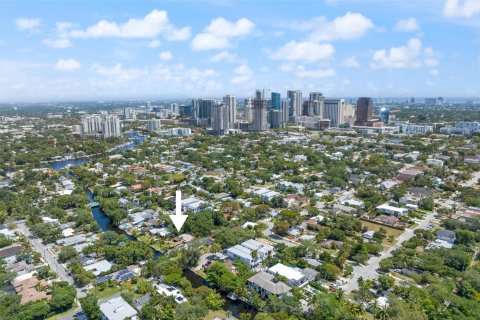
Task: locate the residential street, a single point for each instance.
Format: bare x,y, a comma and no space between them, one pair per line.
268,233
48,256
370,270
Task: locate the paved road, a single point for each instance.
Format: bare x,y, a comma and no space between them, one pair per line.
370,270
268,233
48,256
473,181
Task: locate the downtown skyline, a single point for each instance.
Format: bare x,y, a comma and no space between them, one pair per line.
152,50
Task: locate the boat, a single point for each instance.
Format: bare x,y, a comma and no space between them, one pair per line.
232,296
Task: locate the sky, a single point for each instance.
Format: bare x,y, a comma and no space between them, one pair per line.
99,50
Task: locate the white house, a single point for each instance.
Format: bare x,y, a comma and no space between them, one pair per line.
117,309
390,210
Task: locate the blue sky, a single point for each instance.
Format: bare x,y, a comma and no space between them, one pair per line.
84,50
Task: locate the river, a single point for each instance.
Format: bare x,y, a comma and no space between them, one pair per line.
105,223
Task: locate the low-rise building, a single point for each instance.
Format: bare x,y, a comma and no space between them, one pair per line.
391,210
117,309
294,277
245,252
265,284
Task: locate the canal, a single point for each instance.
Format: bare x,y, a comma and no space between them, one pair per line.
236,307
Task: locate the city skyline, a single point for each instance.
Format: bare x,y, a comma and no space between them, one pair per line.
161,50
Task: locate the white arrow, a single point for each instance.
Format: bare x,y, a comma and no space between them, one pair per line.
178,219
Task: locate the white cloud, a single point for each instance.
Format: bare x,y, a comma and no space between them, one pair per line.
217,34
61,39
223,56
467,9
243,74
347,27
304,51
118,72
58,43
407,25
434,72
68,65
351,62
154,44
165,55
152,25
26,24
409,56
302,72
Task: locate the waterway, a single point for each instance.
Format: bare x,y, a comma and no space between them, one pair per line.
236,307
135,138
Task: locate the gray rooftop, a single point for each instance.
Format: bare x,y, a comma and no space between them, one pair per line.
267,282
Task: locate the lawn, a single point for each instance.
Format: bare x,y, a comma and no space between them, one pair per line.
390,231
61,315
215,314
110,291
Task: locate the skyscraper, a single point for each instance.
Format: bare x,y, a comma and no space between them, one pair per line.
315,104
276,101
231,106
111,127
259,121
220,123
296,105
364,111
384,115
127,113
285,108
333,111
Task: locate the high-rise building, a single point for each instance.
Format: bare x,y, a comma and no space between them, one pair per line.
220,123
185,110
231,106
364,111
285,109
91,124
296,104
174,108
333,110
384,115
153,125
315,104
111,127
202,110
127,113
259,121
276,101
259,94
276,118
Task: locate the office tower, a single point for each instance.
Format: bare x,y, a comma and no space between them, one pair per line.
364,110
148,105
111,127
412,100
185,110
195,107
285,110
249,109
314,105
333,110
259,112
276,101
174,108
153,125
259,94
384,115
348,114
231,106
276,119
220,123
430,101
127,113
296,104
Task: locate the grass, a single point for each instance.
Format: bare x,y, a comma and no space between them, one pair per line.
390,231
60,315
215,314
110,291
